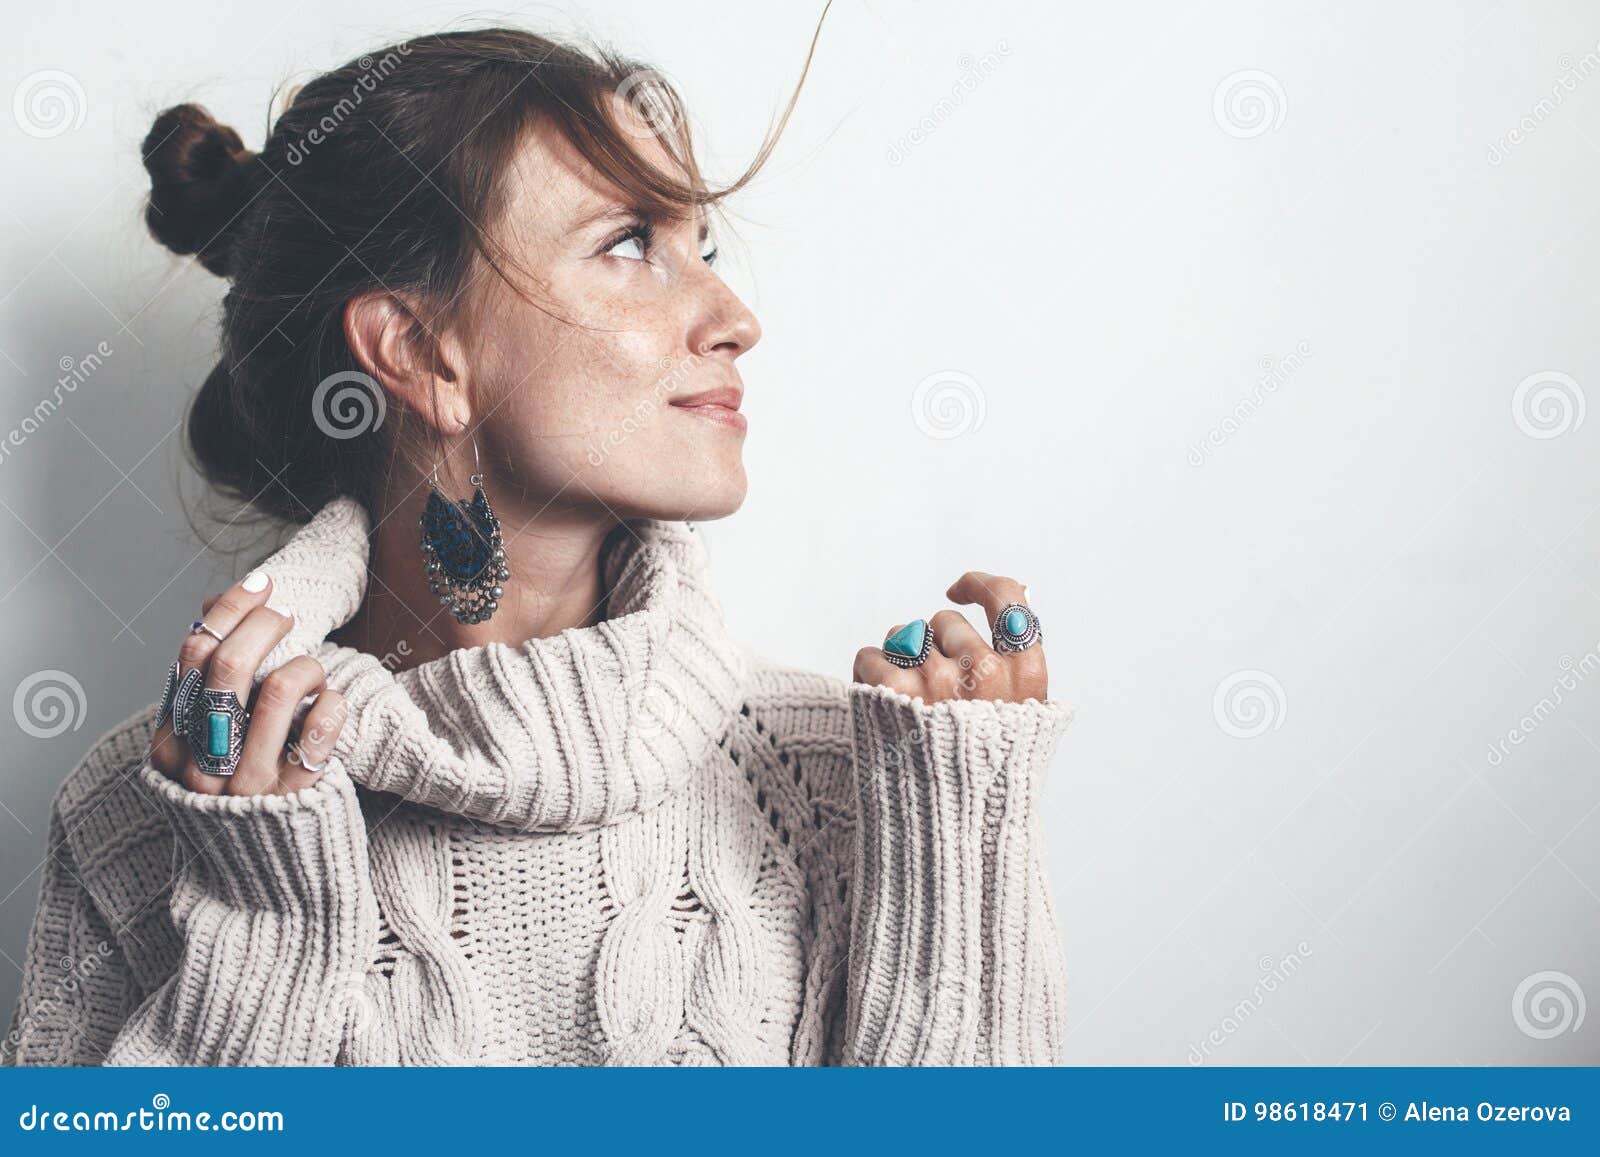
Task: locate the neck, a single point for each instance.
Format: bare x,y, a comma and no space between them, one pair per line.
553,553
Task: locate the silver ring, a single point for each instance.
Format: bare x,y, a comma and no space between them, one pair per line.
169,695
216,727
296,757
201,627
1016,628
184,693
910,645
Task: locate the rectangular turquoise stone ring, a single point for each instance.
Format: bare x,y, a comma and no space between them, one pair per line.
217,736
215,730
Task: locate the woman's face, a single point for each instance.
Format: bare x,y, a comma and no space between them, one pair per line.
587,396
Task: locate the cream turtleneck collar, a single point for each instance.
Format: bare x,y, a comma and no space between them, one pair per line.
565,733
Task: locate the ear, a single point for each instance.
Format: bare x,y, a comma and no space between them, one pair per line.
418,366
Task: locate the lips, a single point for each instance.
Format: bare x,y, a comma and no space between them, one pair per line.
720,405
727,397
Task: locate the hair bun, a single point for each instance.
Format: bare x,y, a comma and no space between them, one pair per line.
201,178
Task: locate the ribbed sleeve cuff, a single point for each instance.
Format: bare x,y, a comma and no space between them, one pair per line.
272,898
298,852
945,959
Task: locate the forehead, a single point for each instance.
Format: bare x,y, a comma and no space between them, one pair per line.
552,187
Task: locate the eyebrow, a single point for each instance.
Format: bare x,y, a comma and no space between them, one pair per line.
621,212
608,213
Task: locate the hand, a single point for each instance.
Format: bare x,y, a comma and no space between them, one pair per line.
962,664
249,631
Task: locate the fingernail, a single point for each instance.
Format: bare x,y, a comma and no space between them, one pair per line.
1025,597
255,581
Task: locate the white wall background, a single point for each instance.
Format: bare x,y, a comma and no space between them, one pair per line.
1401,548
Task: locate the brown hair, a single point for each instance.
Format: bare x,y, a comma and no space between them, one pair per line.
382,174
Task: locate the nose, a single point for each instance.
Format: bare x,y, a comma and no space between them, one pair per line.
724,324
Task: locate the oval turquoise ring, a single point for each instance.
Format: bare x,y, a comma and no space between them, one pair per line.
1016,628
909,646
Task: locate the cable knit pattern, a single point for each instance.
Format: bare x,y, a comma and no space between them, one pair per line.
631,843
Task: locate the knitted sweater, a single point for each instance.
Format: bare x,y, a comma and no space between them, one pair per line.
631,843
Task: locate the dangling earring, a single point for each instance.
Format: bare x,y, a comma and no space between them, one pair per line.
463,550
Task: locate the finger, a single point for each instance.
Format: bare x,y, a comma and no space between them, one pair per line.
221,613
955,636
1029,676
232,667
239,656
992,592
975,665
168,751
315,745
226,612
871,667
270,720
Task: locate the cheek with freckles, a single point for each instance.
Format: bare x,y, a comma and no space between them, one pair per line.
592,414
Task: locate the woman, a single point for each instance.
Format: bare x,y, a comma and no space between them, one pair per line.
445,781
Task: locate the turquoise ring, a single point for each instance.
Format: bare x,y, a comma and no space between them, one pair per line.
1016,628
216,725
909,646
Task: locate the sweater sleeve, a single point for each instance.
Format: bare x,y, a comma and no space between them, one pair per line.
276,917
953,952
273,900
77,987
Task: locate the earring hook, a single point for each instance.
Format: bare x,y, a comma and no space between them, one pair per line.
477,467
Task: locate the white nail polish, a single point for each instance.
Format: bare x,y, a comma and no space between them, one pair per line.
1025,597
255,581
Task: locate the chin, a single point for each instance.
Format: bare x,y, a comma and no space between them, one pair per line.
720,498
710,513
699,499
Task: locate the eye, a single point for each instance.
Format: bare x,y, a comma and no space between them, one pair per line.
709,256
630,245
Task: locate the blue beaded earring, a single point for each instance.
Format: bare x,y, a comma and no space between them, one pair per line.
463,551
